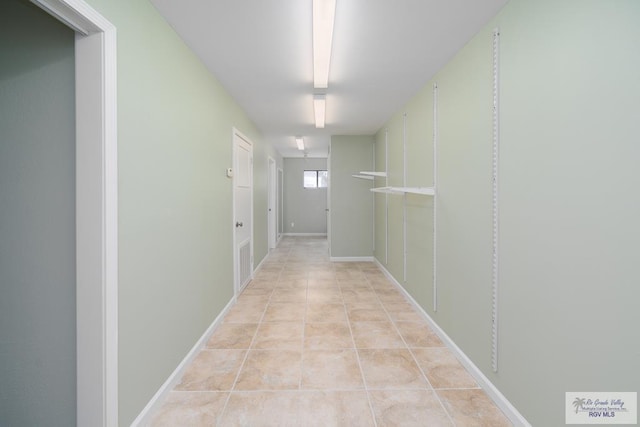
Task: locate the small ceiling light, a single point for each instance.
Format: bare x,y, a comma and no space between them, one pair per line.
319,107
324,12
300,143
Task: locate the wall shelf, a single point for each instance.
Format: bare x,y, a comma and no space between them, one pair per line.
426,191
368,177
369,173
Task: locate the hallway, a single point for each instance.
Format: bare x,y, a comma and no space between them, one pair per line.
313,342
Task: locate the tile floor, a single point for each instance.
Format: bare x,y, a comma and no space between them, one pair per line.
318,343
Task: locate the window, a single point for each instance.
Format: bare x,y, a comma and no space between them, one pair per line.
316,179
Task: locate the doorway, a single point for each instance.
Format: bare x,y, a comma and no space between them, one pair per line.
96,178
272,213
280,203
37,218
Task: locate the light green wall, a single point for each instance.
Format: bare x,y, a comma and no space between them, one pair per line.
304,207
175,236
411,128
395,243
568,203
37,219
419,209
571,206
351,199
464,197
380,200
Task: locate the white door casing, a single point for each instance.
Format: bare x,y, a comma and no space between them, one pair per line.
242,210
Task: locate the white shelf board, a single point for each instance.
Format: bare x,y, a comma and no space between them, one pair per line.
370,178
388,190
381,174
426,191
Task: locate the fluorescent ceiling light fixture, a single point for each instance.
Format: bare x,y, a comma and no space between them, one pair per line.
319,107
324,12
300,143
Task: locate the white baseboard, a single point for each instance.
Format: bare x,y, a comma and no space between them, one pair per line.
144,418
306,234
255,270
351,259
494,394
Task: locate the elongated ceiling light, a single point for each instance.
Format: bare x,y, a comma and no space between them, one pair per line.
324,12
319,107
300,143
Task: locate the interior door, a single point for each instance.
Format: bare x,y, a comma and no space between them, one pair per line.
242,210
280,202
328,209
272,209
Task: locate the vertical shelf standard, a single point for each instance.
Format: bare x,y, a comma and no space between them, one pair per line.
496,152
435,200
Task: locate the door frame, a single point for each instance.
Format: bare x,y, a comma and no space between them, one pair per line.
272,205
96,210
236,285
280,202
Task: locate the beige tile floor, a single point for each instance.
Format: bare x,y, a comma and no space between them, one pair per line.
318,343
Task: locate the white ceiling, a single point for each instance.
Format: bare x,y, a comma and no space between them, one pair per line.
383,52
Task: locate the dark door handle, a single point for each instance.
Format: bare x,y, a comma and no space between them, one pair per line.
238,224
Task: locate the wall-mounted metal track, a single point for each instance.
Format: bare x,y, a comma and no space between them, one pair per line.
404,197
373,201
496,152
386,197
435,199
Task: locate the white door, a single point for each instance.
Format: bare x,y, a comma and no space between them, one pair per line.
280,203
271,203
242,210
328,209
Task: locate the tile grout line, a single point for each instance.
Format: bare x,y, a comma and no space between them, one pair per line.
415,360
304,325
246,356
364,380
